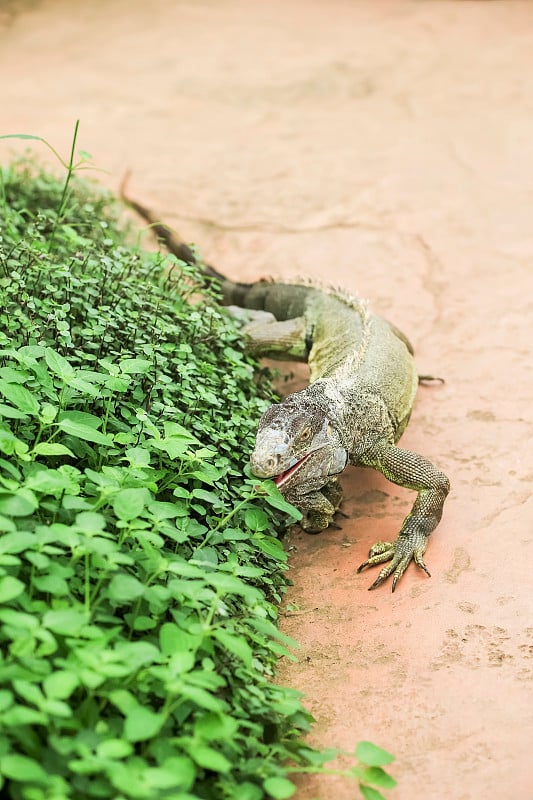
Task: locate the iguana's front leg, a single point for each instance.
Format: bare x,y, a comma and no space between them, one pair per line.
412,471
317,509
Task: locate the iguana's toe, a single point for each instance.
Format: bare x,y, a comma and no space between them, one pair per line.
400,554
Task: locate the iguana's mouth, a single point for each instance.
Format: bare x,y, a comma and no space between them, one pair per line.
280,479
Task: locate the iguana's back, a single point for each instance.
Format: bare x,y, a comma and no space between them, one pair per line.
358,352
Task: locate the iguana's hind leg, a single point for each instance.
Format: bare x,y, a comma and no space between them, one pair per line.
411,470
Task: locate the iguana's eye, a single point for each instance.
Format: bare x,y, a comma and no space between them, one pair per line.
305,434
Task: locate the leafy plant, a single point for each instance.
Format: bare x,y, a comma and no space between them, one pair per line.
139,568
368,772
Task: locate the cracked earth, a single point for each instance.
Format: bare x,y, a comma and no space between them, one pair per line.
386,147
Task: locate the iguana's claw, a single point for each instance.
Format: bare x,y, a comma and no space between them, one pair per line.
399,554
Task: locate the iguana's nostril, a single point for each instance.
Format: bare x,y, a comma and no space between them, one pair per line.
273,462
265,467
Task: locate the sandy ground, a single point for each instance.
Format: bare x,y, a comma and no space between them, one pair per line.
388,147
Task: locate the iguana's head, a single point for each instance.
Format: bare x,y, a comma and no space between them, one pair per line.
289,436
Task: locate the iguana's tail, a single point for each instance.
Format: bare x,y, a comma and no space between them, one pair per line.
232,291
283,300
170,238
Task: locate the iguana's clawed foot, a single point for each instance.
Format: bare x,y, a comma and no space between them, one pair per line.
316,521
322,507
400,554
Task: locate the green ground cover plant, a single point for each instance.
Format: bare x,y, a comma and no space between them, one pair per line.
140,568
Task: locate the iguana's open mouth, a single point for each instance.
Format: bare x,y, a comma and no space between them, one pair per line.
280,479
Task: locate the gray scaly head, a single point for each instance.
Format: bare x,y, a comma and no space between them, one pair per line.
298,447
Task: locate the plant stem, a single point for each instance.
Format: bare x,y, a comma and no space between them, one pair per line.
88,582
64,195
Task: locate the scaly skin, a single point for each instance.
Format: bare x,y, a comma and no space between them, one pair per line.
356,407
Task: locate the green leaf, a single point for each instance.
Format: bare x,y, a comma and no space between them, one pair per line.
23,769
51,449
372,755
10,588
48,413
20,397
141,724
123,700
378,777
369,793
143,623
118,384
66,621
125,588
208,758
90,522
202,698
49,481
84,387
174,448
137,654
20,504
132,366
230,584
212,726
247,791
16,541
51,584
85,432
163,511
18,619
10,444
12,375
6,699
83,418
173,430
130,503
11,413
234,644
114,748
58,364
173,640
272,547
11,469
138,456
176,772
7,525
279,788
274,498
22,715
60,684
256,519
208,497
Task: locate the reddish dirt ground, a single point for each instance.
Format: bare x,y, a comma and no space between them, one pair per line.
387,147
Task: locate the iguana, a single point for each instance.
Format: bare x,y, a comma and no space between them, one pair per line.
362,387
